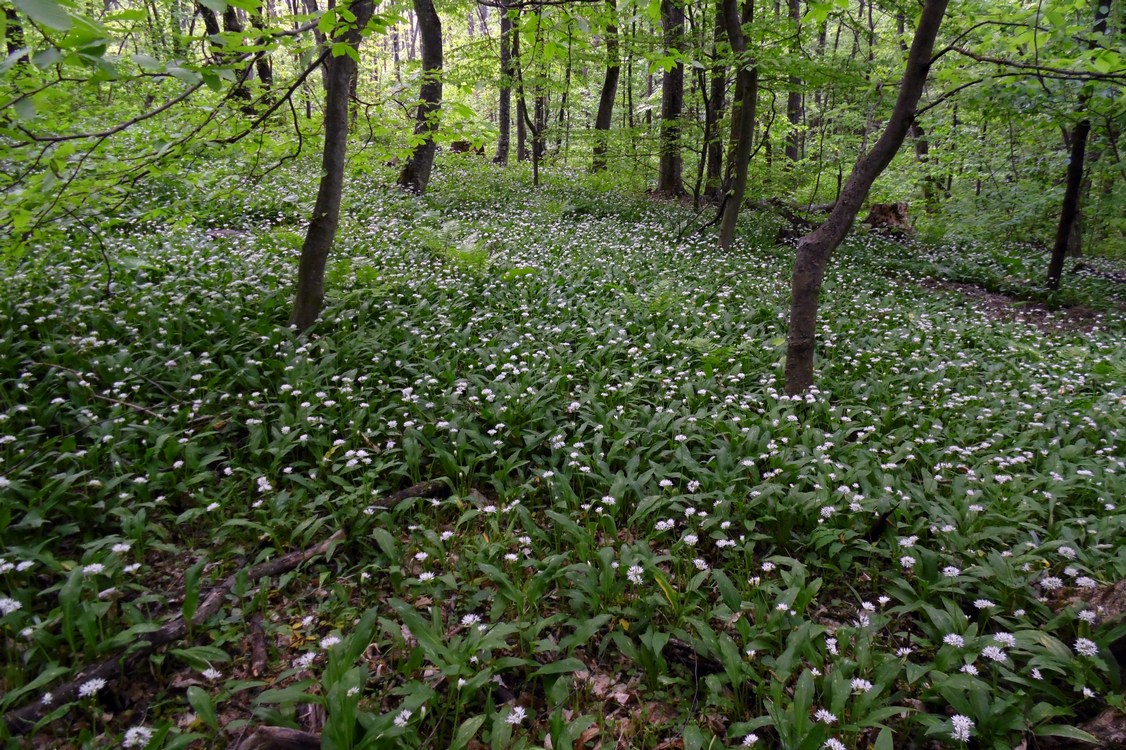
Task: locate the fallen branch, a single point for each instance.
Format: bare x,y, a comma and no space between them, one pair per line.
24,720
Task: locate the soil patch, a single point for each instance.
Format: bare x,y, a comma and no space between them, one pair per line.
1003,307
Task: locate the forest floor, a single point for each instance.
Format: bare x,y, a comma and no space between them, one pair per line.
617,531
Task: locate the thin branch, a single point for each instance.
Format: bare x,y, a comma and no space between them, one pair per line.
116,128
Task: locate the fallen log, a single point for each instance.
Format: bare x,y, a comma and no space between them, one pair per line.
280,738
23,720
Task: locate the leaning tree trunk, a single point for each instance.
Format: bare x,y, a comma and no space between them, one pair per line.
815,248
604,118
671,167
743,126
326,214
1070,210
504,109
416,172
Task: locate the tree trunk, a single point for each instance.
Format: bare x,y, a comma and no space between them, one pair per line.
794,98
671,166
504,108
13,34
604,118
713,182
309,297
416,172
743,126
814,249
1070,209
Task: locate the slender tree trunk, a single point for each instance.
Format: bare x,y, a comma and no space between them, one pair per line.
671,167
742,127
814,249
416,172
794,98
13,33
504,107
604,118
1069,212
566,92
713,183
309,298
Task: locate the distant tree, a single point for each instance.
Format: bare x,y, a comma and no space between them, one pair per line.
416,173
604,118
671,167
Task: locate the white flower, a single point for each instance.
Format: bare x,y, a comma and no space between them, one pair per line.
635,574
470,619
516,716
834,744
1050,583
121,548
984,604
750,739
993,653
426,576
47,698
861,686
953,639
91,687
8,606
1087,615
212,673
137,737
1086,647
690,539
1067,552
951,572
907,561
824,716
970,669
353,691
329,641
961,727
402,719
93,569
1005,639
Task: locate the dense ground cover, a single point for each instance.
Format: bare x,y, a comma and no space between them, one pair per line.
643,543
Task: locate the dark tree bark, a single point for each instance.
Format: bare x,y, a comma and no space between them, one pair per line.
262,65
794,98
326,214
814,249
671,167
416,172
539,129
1069,212
743,126
564,119
504,107
713,181
604,118
13,33
521,106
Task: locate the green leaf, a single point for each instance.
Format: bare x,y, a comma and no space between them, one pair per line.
466,732
563,666
191,589
1064,730
45,12
216,5
885,740
204,707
